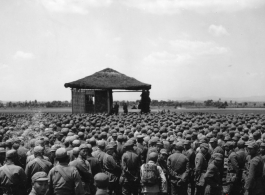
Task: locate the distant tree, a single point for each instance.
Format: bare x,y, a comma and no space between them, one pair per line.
245,103
225,104
254,104
264,104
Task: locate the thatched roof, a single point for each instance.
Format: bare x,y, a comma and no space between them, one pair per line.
108,79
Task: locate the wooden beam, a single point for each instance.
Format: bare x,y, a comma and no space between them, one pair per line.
126,91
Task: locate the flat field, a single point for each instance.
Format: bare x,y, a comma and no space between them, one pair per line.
153,109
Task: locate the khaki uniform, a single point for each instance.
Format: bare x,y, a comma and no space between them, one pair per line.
178,168
254,182
59,186
213,180
36,165
84,170
17,183
201,165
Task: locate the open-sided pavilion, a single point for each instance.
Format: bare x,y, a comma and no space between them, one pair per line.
93,94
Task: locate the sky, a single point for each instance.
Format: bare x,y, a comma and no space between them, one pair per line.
183,48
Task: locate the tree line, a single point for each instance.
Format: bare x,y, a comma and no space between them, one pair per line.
36,104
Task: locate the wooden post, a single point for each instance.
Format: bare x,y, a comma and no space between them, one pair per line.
72,99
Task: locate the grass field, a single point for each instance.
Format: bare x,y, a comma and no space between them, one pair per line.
154,109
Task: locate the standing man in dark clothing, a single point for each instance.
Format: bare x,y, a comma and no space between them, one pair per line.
212,177
254,182
83,167
125,108
37,165
189,152
234,171
129,180
140,144
116,108
94,163
2,156
178,168
12,178
111,168
201,165
119,149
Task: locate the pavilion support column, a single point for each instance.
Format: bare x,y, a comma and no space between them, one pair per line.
110,101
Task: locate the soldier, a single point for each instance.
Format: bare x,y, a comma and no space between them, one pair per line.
213,180
140,140
152,147
178,168
130,170
189,152
119,147
116,108
75,143
83,167
262,151
22,154
37,165
64,179
2,156
39,183
254,182
99,153
153,179
201,165
94,163
12,177
102,183
111,168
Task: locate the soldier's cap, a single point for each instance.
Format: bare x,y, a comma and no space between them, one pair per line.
179,145
39,142
186,142
39,176
204,145
38,149
120,138
110,146
61,153
218,156
139,137
129,143
163,151
76,150
101,143
213,140
262,144
75,141
253,145
240,143
83,146
153,156
152,140
114,135
2,150
101,180
54,148
11,153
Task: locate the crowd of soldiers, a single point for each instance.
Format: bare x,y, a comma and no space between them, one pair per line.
131,154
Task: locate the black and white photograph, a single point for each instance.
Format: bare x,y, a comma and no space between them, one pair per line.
132,97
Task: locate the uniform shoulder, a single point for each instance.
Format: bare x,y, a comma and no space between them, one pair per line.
212,166
255,160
